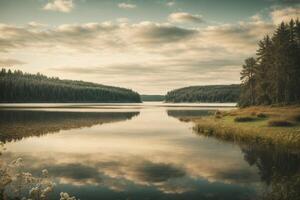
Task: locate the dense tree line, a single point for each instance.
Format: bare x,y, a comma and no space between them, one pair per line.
152,97
273,77
209,93
23,87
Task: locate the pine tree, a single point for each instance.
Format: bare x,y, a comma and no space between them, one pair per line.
280,55
248,81
264,71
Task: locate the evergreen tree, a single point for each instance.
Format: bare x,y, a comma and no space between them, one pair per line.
275,77
19,87
248,79
264,71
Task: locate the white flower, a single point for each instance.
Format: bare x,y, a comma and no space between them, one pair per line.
66,196
33,191
45,172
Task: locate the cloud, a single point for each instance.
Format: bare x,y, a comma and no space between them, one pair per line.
158,172
149,32
160,56
285,14
170,3
60,6
243,35
183,17
126,5
92,36
10,62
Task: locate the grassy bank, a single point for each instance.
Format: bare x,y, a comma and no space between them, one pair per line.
265,125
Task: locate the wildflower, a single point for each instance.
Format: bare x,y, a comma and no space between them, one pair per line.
45,172
66,196
34,191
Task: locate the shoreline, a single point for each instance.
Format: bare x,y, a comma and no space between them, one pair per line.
260,125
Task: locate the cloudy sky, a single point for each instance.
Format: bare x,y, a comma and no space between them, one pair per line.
151,46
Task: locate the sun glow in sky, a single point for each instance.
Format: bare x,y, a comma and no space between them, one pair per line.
151,46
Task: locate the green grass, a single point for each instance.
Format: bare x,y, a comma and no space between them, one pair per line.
257,129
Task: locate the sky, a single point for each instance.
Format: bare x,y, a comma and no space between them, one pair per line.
150,46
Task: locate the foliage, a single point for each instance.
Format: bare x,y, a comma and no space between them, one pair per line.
23,87
273,77
257,131
210,93
244,119
153,97
20,185
278,122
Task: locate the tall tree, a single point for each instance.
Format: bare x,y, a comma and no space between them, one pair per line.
248,81
264,71
275,78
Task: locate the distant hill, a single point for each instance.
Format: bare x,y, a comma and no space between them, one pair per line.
209,93
152,97
22,87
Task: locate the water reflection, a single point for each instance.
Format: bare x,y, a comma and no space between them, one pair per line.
17,124
182,114
112,176
278,168
153,156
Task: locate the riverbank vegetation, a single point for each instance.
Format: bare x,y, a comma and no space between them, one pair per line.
209,93
261,124
19,87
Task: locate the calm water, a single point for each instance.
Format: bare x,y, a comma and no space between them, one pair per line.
140,151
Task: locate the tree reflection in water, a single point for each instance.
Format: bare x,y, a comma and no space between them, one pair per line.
279,168
17,124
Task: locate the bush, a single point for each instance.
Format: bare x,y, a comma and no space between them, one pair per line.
253,113
296,117
244,119
261,115
280,123
218,114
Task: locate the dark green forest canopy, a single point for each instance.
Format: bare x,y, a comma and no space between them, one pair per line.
209,93
273,77
146,97
23,87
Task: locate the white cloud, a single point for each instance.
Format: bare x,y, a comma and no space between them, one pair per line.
126,5
183,17
285,14
160,56
10,62
60,6
170,3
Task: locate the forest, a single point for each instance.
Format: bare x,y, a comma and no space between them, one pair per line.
273,76
146,97
209,93
19,87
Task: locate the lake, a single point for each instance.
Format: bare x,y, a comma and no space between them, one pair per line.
140,151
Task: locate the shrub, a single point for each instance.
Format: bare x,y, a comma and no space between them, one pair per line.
261,115
218,114
280,123
244,119
253,113
296,117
